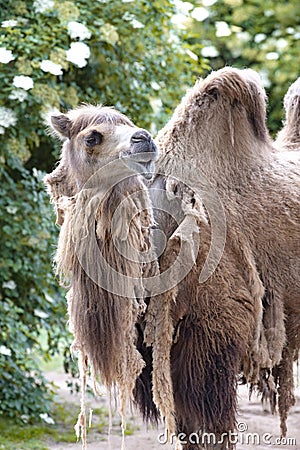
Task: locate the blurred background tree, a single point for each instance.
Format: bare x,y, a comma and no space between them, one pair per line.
139,55
54,55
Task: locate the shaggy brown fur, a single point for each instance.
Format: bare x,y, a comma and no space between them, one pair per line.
198,336
103,312
288,144
236,319
289,137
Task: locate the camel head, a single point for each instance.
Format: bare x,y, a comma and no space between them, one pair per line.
219,115
292,102
240,94
94,136
289,137
97,134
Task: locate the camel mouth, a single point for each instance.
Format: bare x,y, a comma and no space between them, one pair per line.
141,159
139,165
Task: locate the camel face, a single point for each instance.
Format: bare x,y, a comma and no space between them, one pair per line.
106,140
99,144
97,135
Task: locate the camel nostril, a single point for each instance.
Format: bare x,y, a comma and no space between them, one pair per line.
140,136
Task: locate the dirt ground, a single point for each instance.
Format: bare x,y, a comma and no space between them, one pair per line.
258,429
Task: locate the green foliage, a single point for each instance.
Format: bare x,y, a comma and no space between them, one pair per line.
41,436
27,437
263,35
35,437
29,299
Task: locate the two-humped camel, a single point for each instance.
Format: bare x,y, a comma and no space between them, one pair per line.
195,337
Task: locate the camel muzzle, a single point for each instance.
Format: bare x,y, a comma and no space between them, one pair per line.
142,154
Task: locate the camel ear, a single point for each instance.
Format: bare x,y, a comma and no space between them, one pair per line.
61,125
256,110
214,93
292,103
60,188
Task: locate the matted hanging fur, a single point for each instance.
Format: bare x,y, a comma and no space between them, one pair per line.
104,247
245,317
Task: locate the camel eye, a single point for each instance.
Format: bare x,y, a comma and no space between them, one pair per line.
93,139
